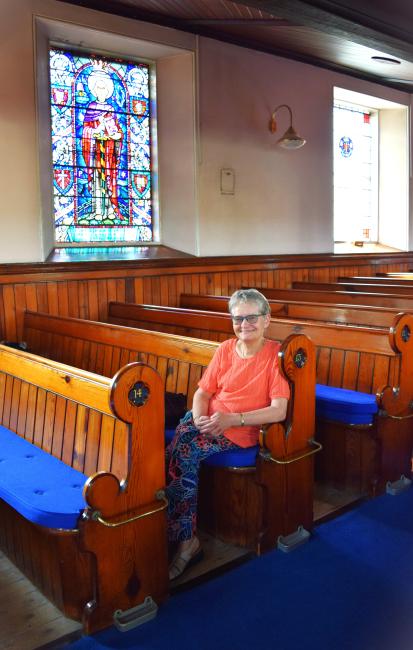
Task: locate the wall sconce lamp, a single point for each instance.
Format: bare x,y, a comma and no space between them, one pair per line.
290,139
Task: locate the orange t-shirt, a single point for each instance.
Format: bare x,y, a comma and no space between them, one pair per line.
241,385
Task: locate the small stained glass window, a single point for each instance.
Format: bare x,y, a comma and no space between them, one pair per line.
101,148
355,174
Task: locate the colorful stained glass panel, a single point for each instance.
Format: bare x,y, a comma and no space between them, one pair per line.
101,149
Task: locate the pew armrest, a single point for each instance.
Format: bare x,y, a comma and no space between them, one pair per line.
314,448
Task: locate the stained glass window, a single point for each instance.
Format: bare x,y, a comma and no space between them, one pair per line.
101,148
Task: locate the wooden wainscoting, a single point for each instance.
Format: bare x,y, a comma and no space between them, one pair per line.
84,289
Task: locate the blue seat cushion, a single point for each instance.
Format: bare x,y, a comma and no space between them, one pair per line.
343,405
169,434
242,457
39,486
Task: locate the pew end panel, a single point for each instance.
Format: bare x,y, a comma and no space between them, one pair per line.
128,516
88,570
286,464
396,407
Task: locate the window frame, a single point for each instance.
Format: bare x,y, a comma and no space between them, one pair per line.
153,149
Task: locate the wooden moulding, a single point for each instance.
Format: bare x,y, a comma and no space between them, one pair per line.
93,570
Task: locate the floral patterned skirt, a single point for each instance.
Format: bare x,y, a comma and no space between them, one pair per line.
188,448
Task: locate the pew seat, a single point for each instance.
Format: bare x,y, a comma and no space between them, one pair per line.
243,457
82,512
39,486
343,405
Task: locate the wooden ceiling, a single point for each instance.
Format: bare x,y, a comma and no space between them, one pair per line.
342,36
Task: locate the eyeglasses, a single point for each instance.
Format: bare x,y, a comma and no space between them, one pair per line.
251,319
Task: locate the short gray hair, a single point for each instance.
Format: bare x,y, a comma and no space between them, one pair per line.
249,295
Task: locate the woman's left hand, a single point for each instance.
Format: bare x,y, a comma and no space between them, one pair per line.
219,422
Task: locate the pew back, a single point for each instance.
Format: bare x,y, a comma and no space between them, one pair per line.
102,348
402,303
62,410
384,289
408,275
374,279
329,313
357,358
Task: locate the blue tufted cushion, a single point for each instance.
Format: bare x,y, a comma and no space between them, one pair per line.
239,458
39,486
342,405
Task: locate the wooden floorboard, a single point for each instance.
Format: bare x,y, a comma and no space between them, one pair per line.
27,619
329,502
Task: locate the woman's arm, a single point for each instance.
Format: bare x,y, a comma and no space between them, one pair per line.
219,422
200,406
276,412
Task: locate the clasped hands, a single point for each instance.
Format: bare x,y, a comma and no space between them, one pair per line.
214,424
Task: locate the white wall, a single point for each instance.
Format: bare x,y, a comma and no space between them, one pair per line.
177,153
20,220
283,199
393,172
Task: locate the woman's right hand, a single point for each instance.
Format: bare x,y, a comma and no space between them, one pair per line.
202,423
215,424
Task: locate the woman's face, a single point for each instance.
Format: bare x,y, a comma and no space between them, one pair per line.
249,332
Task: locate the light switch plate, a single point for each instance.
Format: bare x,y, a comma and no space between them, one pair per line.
227,181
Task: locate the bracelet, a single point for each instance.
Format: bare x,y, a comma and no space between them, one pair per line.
242,419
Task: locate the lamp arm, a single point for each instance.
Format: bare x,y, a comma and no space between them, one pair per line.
273,125
290,139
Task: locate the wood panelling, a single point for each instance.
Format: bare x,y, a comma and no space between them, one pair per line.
83,290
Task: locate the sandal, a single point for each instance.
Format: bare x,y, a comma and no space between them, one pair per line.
183,561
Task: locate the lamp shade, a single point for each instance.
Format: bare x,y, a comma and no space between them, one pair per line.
290,139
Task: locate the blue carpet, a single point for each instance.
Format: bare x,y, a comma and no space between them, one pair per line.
349,588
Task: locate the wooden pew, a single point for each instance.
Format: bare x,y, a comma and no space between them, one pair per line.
370,360
367,299
251,507
407,275
316,311
89,422
383,289
374,279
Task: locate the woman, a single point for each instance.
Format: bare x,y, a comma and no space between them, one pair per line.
241,389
